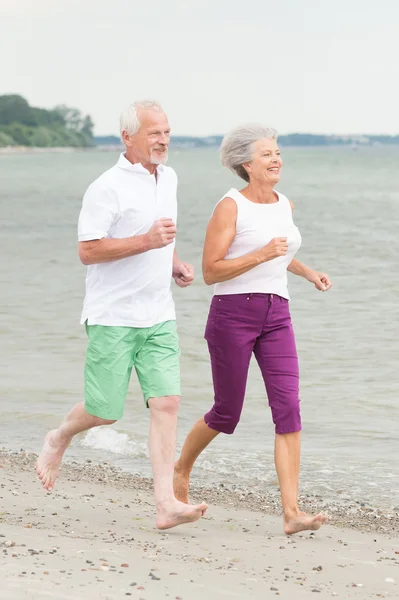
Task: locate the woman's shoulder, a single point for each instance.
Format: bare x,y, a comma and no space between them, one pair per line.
230,199
284,200
227,202
227,205
232,195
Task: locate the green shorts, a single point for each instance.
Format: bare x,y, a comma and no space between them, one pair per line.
111,354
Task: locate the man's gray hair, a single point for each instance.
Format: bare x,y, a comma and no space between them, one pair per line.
130,121
238,146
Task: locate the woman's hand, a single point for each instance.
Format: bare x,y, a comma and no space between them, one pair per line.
275,248
321,281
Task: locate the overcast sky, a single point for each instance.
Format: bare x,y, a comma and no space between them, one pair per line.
299,65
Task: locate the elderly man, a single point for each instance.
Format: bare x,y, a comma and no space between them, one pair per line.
127,230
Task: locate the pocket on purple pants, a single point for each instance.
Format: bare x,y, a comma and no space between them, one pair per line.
210,324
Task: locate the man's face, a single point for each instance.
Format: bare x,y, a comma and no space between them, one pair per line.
150,143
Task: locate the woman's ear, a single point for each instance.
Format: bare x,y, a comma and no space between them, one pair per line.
247,167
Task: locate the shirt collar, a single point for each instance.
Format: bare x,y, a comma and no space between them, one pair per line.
124,163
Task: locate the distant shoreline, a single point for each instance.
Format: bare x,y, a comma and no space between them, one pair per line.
16,150
40,150
55,150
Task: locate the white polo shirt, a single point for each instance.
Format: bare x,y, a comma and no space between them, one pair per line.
135,291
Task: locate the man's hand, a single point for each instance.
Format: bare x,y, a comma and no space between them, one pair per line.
183,274
161,234
321,281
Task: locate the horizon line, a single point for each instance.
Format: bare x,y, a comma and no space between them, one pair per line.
279,135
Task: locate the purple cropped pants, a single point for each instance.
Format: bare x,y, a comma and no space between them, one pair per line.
239,325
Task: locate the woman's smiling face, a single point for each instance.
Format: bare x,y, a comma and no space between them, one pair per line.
266,162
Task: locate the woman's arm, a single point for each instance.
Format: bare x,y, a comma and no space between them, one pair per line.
220,234
298,268
321,281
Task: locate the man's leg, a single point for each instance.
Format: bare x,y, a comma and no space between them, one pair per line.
107,372
162,443
158,368
58,440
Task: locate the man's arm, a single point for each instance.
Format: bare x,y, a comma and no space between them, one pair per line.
183,273
97,216
176,259
107,249
162,233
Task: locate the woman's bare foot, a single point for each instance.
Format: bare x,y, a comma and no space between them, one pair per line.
176,513
303,522
181,482
50,458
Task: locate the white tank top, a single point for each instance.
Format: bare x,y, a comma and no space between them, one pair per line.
256,225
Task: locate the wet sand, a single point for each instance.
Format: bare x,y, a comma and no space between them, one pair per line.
94,538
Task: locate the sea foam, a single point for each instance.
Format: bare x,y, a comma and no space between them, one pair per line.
111,440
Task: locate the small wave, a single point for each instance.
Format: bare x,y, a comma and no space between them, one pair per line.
108,439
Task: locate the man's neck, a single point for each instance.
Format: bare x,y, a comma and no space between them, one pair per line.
132,158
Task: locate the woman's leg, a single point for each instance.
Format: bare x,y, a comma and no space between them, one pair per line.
230,344
276,354
287,458
287,451
197,440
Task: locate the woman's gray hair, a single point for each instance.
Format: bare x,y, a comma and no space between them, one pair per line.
130,121
238,146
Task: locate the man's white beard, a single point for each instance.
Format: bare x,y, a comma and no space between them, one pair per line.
157,160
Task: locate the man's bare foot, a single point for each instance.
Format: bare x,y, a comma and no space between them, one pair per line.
181,482
177,513
303,522
50,458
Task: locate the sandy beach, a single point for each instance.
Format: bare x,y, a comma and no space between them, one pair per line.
94,538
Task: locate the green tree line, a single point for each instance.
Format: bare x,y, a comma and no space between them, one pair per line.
25,125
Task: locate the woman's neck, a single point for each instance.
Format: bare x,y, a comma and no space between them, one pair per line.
261,194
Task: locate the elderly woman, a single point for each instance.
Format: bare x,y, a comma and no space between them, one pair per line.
250,244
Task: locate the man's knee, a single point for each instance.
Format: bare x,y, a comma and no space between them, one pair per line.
100,421
109,421
167,404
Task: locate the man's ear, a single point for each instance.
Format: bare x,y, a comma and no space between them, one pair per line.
127,139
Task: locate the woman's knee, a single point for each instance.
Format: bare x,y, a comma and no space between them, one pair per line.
287,417
224,423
